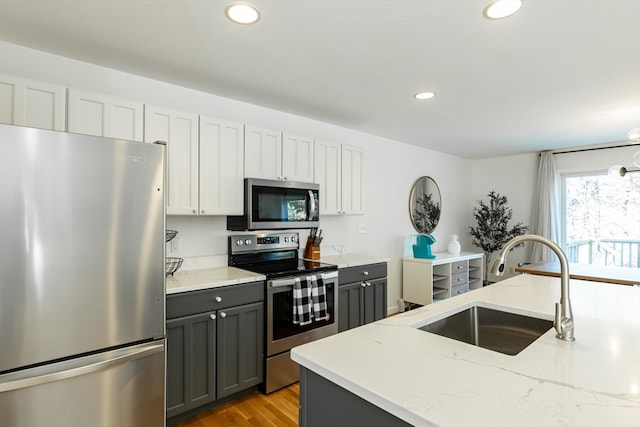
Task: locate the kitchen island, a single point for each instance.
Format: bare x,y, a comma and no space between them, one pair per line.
422,379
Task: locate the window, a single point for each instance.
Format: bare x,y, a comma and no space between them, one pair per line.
601,219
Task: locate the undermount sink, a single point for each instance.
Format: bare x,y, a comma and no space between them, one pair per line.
496,330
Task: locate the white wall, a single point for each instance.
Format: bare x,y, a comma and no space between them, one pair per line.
391,167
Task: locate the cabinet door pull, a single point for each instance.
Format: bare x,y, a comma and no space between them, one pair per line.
366,273
363,284
212,316
218,299
223,314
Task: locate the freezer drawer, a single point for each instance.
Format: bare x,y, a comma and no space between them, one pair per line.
123,388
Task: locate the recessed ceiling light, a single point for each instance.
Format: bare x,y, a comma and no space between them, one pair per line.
242,13
424,95
502,8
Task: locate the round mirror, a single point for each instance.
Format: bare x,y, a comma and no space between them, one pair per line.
425,205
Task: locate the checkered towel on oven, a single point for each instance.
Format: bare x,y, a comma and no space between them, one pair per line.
302,302
319,296
309,300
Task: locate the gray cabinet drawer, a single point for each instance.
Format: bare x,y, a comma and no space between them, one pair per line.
459,267
459,279
187,303
362,272
461,289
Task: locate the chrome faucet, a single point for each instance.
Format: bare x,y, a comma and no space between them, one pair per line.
564,316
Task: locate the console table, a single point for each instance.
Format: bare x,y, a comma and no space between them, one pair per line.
425,281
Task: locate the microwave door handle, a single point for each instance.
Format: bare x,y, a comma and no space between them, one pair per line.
312,205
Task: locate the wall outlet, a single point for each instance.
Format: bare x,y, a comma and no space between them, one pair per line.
362,228
174,245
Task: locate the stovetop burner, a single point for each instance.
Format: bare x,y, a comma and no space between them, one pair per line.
286,268
275,255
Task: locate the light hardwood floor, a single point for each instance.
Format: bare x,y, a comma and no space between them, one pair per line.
278,409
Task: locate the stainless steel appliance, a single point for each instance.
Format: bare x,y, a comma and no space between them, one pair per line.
81,280
277,205
276,256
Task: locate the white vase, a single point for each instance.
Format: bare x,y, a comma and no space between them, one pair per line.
454,245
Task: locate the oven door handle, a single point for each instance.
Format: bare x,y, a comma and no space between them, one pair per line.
279,283
329,275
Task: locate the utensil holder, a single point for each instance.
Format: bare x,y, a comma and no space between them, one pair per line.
311,251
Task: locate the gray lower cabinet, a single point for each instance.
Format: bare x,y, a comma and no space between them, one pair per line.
324,403
362,295
240,342
191,362
215,345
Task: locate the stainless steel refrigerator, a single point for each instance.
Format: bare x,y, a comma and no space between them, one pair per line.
82,292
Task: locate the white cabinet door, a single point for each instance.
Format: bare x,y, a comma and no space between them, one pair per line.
297,158
180,131
270,154
221,167
31,103
327,172
262,153
352,179
339,169
103,115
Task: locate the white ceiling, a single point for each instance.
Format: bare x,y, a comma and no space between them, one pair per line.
558,74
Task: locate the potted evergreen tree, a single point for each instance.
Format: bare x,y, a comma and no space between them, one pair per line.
492,227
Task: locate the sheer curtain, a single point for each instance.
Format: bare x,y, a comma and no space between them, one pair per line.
546,208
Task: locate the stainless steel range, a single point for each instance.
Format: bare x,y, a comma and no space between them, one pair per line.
289,280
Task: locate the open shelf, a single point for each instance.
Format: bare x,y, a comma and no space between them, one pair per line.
437,278
438,291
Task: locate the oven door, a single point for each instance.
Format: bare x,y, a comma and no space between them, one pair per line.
282,333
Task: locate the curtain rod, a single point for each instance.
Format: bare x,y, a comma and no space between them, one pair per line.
592,149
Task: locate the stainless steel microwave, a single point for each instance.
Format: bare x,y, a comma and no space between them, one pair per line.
277,205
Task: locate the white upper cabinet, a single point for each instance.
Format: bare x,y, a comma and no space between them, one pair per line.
297,157
221,167
270,154
180,131
31,103
262,153
103,115
339,169
327,170
352,179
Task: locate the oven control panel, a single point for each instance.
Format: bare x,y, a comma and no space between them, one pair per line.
263,242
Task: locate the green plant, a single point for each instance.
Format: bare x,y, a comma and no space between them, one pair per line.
492,230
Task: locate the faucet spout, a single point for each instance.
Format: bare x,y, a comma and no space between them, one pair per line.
563,323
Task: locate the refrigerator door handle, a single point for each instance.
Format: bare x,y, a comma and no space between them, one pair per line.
103,365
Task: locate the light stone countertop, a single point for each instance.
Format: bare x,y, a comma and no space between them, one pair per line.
429,380
352,260
207,278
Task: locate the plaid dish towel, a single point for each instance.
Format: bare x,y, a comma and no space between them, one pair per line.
302,304
319,297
